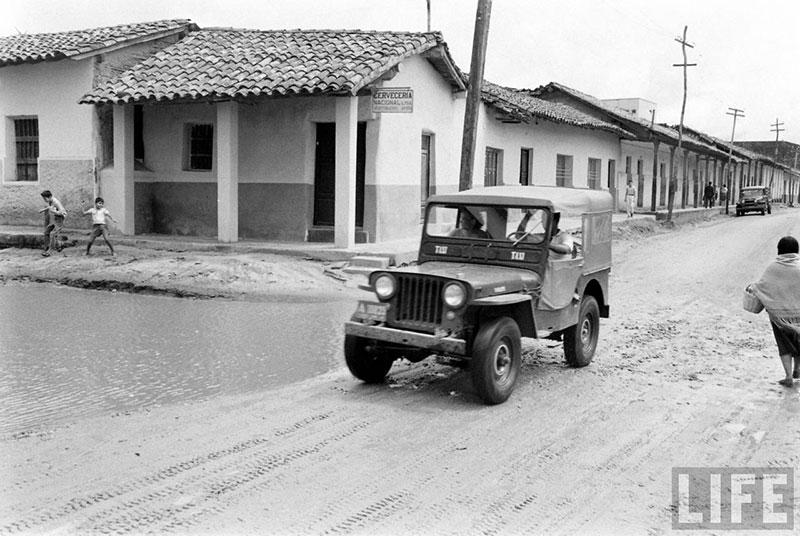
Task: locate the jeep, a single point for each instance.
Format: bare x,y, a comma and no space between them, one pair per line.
473,293
754,199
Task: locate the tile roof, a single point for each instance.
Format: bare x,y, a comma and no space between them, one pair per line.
657,131
615,111
226,63
520,105
34,48
736,150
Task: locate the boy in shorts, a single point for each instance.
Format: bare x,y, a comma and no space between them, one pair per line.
99,226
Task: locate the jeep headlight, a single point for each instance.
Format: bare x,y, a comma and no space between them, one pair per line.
385,286
454,295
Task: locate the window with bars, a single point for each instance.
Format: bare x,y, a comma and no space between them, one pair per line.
593,174
564,170
492,175
26,138
201,147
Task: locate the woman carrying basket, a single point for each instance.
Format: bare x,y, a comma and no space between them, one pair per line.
779,291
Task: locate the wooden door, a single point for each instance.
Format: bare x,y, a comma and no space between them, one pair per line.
325,174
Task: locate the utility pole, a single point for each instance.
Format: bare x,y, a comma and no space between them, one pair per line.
736,113
429,15
777,130
479,42
673,178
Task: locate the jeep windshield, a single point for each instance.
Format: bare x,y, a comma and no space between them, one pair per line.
752,194
515,225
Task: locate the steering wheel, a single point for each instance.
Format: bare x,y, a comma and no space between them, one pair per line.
520,234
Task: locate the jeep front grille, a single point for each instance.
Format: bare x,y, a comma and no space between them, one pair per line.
418,302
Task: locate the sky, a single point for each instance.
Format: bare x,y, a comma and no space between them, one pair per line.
747,53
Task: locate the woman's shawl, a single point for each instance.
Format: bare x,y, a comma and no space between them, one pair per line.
779,291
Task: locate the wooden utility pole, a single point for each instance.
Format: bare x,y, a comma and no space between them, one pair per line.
777,130
429,14
673,180
479,42
735,112
654,186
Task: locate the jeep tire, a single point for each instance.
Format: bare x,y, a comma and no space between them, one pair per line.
580,340
496,359
364,365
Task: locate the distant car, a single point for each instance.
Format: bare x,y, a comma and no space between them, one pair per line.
473,294
754,199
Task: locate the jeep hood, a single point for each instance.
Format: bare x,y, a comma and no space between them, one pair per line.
485,280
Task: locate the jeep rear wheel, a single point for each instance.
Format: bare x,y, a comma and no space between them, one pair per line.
496,358
364,364
580,340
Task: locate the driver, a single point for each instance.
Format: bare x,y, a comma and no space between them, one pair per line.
469,226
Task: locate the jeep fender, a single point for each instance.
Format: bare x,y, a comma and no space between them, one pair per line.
516,306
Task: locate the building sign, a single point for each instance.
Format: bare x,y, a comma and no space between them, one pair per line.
393,100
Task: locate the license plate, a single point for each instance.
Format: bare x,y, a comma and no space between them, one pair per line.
374,312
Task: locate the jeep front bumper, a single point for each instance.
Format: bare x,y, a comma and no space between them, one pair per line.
448,345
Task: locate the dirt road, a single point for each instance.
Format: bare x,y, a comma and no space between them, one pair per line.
683,377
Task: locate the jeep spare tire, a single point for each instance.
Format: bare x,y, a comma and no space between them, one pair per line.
365,365
580,340
496,359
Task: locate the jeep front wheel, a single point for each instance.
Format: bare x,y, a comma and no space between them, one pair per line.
365,365
496,358
580,340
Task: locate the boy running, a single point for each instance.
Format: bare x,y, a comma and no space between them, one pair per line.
99,226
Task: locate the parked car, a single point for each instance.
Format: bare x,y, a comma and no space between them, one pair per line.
472,296
754,199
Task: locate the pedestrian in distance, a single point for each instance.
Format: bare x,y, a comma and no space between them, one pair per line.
779,292
630,198
708,195
54,216
99,226
723,195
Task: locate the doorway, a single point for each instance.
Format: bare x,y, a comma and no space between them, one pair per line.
325,174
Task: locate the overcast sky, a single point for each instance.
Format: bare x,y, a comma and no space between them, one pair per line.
747,52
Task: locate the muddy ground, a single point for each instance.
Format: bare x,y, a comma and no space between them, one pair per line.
683,377
240,276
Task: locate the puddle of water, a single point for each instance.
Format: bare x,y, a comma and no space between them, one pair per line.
67,352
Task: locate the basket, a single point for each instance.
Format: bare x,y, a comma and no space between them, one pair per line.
751,303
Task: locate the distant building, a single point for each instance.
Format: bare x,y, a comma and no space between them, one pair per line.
641,108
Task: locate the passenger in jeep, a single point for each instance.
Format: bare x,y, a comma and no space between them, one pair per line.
469,226
561,243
